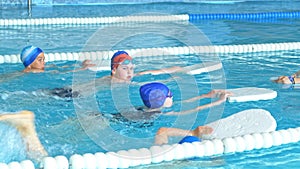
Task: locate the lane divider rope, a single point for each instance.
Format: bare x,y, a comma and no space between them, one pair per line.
162,51
158,154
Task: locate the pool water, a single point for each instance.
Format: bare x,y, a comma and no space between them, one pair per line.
60,131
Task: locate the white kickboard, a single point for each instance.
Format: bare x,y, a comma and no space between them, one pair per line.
202,68
251,94
242,123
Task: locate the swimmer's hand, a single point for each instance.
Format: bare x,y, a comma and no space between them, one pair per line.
283,80
86,64
219,93
222,94
201,130
161,137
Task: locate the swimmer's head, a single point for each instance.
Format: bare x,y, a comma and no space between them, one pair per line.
122,67
118,58
29,54
154,95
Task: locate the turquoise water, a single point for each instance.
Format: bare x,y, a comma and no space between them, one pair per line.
60,131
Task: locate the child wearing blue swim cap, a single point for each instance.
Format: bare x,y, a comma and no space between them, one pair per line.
156,95
33,59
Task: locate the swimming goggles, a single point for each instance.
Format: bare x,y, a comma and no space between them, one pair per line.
170,94
126,62
292,79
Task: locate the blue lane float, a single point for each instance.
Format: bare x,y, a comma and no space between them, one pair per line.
238,16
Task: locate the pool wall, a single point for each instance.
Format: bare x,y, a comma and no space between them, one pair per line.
80,2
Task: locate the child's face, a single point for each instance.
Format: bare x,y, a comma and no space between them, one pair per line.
168,102
124,72
39,62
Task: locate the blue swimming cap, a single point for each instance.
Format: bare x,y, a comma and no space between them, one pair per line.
154,94
114,59
189,139
29,54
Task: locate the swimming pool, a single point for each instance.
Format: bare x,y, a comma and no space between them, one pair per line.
61,134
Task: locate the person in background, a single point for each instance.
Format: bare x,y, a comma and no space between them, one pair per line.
23,121
287,80
293,79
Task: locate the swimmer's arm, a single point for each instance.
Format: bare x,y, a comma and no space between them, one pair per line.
164,133
85,63
286,80
76,70
161,71
221,99
211,94
283,80
84,66
10,76
24,123
196,98
55,66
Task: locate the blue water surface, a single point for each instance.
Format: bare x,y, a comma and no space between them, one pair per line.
56,118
